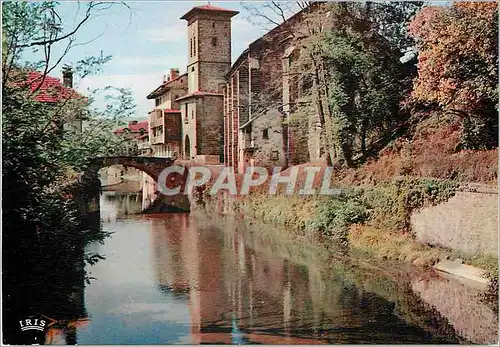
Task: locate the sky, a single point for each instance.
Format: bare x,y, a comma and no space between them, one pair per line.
144,41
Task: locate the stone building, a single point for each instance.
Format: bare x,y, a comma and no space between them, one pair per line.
165,127
239,113
165,119
209,47
260,97
134,134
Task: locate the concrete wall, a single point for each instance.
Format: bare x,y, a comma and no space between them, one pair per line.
468,222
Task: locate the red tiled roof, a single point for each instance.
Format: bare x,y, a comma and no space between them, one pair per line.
134,128
51,89
208,7
213,8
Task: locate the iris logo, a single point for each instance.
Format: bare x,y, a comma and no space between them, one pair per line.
32,324
35,323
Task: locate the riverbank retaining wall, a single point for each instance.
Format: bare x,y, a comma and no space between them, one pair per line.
467,222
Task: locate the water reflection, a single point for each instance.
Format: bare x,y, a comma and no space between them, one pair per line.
179,278
176,278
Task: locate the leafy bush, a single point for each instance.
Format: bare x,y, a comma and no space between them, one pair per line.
334,215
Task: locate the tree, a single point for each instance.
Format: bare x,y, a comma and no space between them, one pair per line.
37,153
353,57
458,67
324,35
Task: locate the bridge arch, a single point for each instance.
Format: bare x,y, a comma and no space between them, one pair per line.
153,166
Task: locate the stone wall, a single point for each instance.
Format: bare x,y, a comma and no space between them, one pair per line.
268,151
209,125
467,222
211,77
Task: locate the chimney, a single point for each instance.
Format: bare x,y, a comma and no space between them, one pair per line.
166,79
67,73
174,73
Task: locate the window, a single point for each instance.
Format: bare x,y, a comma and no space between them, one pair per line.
265,134
194,47
192,114
213,25
214,41
192,69
157,101
191,47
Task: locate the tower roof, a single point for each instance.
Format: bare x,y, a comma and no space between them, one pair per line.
209,9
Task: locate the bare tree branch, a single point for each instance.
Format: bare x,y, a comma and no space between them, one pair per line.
57,39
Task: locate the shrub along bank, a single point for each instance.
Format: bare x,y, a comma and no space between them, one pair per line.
374,220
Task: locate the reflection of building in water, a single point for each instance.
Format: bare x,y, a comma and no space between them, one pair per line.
119,205
240,290
167,250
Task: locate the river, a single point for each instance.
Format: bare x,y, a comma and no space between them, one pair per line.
190,279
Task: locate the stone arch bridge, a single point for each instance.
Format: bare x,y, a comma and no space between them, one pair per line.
153,166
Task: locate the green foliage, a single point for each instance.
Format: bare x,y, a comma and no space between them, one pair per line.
334,215
388,206
37,152
392,203
358,78
366,87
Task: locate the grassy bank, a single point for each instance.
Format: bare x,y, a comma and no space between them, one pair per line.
369,219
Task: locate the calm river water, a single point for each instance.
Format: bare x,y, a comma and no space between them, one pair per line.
188,279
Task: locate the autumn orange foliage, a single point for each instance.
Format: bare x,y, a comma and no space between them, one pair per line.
458,56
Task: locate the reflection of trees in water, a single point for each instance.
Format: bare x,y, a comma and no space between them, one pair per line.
290,289
45,274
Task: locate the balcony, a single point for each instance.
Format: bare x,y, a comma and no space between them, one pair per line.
155,118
